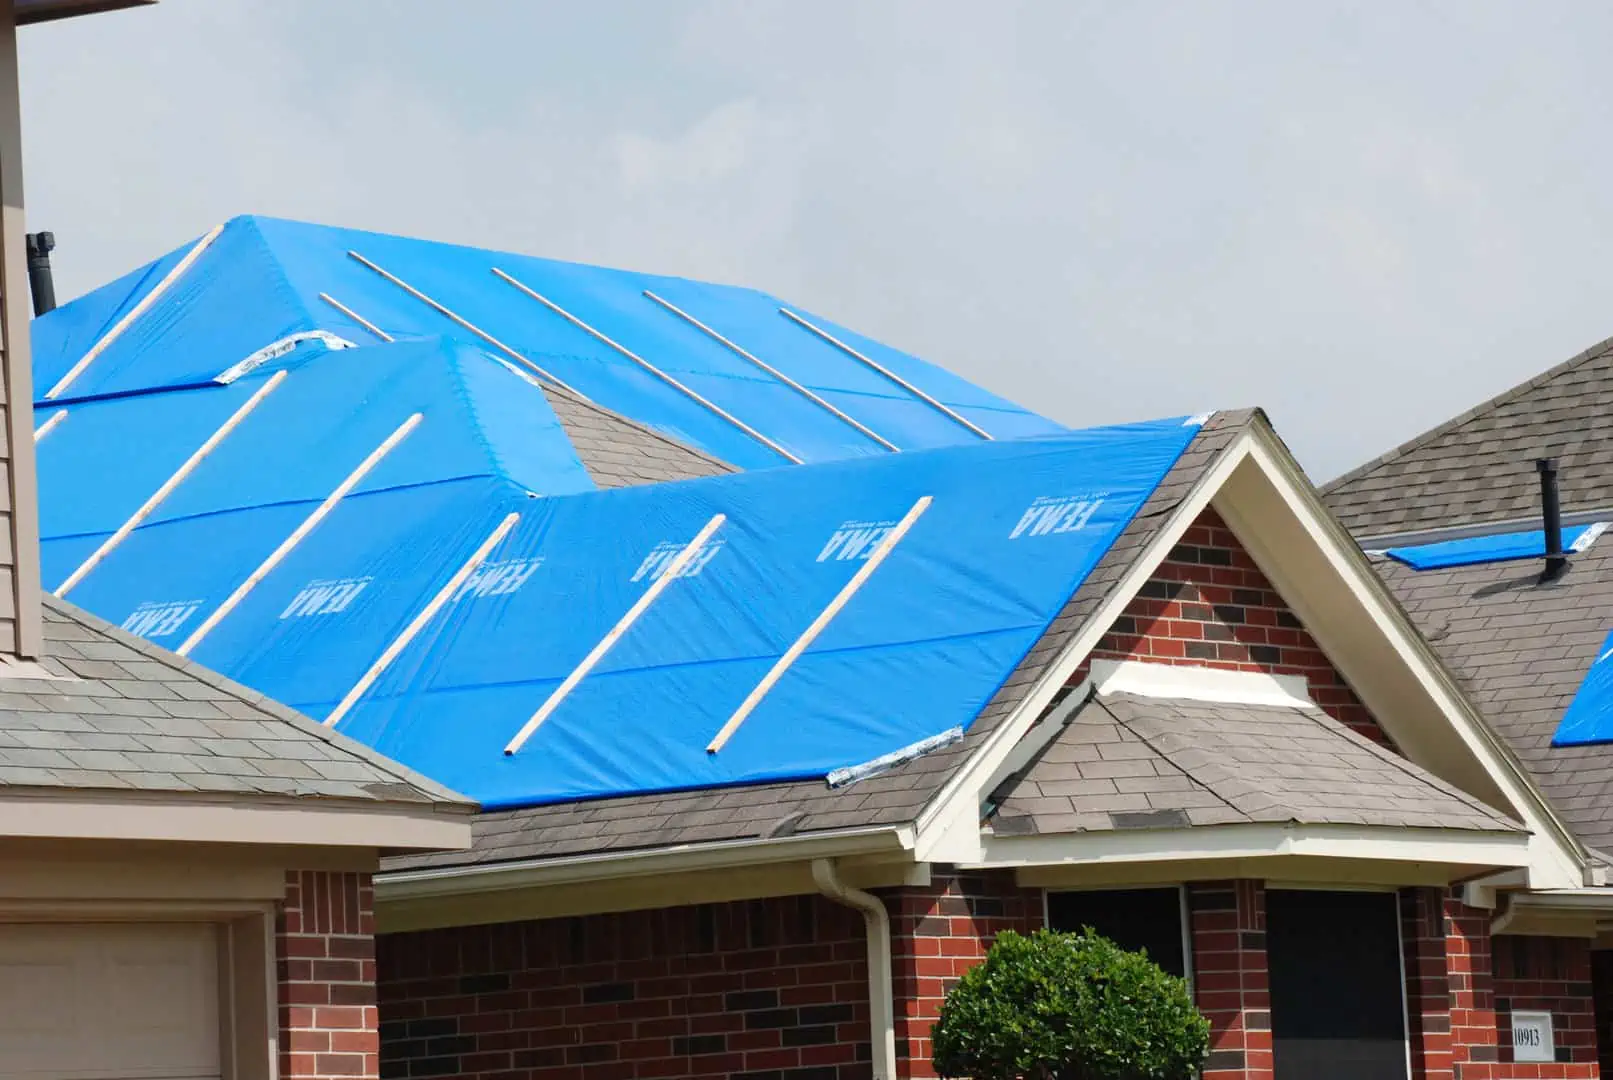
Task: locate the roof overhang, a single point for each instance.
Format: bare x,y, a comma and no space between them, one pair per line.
72,814
635,880
38,11
1343,854
1583,913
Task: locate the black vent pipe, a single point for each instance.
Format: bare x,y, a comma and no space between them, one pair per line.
1551,516
40,245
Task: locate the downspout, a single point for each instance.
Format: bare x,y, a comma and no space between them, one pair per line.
881,1007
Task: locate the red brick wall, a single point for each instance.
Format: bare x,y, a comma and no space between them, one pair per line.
774,989
1463,983
939,932
1428,983
1228,922
1602,993
1549,975
325,955
1208,605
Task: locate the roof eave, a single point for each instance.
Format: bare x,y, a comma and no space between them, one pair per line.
1460,851
139,816
614,865
29,12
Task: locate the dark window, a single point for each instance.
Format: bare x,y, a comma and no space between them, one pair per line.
1148,919
1336,1005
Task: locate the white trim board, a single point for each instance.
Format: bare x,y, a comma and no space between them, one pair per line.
603,866
1182,683
204,818
1451,847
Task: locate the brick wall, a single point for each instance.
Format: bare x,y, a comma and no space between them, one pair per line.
771,990
1228,925
939,932
1428,983
1208,605
325,955
1463,983
1552,975
1602,993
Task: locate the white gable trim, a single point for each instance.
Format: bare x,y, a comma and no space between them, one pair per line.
1391,672
948,829
1260,492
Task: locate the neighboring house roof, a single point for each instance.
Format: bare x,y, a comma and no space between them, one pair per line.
892,798
1123,761
112,712
1521,649
1479,466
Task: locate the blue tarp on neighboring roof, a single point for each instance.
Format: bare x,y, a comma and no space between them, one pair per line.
262,280
1589,718
1495,547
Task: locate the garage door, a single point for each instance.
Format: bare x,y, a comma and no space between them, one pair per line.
109,1002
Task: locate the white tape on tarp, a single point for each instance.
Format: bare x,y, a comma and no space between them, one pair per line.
278,349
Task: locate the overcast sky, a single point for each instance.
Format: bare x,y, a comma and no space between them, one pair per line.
1364,217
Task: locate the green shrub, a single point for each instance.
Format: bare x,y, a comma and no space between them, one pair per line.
1069,1007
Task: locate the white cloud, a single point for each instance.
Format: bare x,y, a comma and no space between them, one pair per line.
1363,217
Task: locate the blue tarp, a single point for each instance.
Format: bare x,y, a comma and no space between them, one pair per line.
1495,547
1589,718
1013,528
106,458
261,281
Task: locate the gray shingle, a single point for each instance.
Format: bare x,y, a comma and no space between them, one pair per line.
1479,466
1243,763
896,797
1482,619
618,452
129,715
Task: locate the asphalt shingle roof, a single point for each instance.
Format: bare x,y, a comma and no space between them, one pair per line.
1479,466
892,798
618,452
1521,649
1123,761
120,714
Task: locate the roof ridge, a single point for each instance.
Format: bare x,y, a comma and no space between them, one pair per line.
189,668
1503,398
288,289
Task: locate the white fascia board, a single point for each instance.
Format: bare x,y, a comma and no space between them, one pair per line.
1178,683
1597,899
1448,847
79,815
1560,861
717,855
949,827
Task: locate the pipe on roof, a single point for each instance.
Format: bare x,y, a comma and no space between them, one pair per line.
1551,514
40,283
